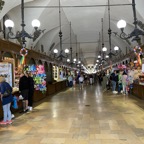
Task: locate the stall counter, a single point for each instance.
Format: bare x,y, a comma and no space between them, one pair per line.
38,95
138,90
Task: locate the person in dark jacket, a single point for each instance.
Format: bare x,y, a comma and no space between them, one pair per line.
24,89
31,91
6,98
114,79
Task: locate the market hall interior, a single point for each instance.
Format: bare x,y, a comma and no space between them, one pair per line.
76,116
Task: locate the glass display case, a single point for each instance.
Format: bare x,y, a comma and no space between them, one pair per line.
55,73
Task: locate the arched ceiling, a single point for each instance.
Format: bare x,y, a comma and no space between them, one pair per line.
86,24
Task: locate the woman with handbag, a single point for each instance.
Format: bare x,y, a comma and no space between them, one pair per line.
6,98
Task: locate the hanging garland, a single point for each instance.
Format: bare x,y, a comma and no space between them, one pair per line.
23,53
138,50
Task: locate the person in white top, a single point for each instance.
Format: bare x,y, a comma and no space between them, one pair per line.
124,82
81,80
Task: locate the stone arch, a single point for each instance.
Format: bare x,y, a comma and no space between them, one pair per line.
46,66
32,61
40,62
50,73
8,54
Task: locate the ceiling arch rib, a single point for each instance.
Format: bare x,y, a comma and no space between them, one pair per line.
9,5
86,22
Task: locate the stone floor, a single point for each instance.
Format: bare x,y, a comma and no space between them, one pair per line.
79,117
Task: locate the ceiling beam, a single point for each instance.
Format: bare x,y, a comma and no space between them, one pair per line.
86,42
78,6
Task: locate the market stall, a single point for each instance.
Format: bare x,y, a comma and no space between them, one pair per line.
14,58
55,72
39,77
138,86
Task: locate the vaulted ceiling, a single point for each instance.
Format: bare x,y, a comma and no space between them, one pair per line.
85,19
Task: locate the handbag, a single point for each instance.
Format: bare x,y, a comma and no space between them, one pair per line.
6,93
14,104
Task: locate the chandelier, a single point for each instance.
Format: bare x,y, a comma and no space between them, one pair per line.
136,33
22,35
61,54
116,50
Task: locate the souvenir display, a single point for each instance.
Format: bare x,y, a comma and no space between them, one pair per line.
39,76
121,67
138,52
17,72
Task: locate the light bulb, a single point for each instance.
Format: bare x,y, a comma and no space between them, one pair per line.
74,59
36,23
116,48
104,49
9,23
55,51
99,56
107,56
68,60
121,24
66,51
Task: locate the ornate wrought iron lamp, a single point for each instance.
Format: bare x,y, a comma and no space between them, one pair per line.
70,60
1,4
116,48
61,55
22,35
136,33
102,57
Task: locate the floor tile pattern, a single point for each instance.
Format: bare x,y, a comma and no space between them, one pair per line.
76,116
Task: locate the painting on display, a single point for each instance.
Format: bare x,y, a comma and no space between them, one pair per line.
6,71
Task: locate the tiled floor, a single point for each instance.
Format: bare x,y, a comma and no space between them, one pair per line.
79,117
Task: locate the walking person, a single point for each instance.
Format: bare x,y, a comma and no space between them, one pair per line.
124,82
114,79
31,91
120,82
91,79
24,89
6,98
81,81
70,80
104,82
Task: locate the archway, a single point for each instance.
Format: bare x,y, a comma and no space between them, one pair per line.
32,62
50,73
8,55
40,62
46,67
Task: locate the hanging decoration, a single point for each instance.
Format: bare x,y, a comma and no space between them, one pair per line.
22,60
138,52
23,53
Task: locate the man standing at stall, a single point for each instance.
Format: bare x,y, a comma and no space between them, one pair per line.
24,89
31,91
114,79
